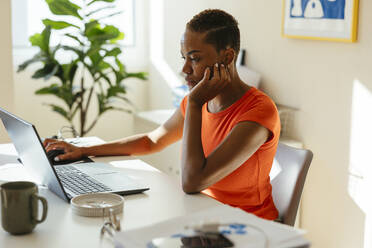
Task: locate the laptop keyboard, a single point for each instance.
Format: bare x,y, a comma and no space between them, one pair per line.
78,182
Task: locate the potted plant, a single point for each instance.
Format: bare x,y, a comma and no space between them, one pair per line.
94,71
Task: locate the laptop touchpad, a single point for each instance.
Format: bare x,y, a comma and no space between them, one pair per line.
116,181
105,174
95,168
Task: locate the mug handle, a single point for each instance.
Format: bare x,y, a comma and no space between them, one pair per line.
45,208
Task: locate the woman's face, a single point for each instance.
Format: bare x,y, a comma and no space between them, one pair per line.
197,56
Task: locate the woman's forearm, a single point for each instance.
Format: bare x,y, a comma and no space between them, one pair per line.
134,145
193,159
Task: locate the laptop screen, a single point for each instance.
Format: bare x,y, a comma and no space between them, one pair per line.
31,151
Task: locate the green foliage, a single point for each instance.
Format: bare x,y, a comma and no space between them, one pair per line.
64,7
96,54
42,40
58,24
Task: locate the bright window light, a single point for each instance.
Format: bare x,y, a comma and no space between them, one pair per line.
360,168
27,16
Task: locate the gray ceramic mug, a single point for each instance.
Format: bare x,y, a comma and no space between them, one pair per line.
19,207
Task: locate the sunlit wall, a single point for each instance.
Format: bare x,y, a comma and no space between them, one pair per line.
360,170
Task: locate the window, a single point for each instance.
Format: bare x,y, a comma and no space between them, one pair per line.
27,16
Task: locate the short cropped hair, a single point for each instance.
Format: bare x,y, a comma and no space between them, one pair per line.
220,27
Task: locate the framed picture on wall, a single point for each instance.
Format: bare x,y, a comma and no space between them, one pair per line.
333,20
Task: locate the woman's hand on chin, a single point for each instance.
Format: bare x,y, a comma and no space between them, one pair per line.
208,88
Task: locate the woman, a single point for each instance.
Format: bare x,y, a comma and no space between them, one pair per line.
229,130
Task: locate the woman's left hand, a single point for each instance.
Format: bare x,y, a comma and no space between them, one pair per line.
207,89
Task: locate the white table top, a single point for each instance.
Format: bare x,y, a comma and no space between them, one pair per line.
62,228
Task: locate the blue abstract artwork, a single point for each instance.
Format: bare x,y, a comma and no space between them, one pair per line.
318,9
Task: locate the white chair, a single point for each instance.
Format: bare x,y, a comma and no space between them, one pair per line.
289,182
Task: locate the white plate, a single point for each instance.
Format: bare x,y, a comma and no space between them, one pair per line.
97,204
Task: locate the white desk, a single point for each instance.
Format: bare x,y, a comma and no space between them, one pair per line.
62,228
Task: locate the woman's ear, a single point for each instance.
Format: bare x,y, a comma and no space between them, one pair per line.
229,56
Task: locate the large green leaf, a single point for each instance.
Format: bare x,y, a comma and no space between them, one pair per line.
46,72
37,58
120,65
125,99
100,35
60,110
121,75
98,66
90,25
119,37
64,7
102,101
103,65
64,92
95,33
41,40
139,75
60,74
54,50
78,52
52,73
58,24
52,89
94,51
75,38
115,90
113,52
37,40
95,59
69,71
52,57
104,76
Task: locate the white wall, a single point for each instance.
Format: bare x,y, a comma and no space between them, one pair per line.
113,124
318,78
6,83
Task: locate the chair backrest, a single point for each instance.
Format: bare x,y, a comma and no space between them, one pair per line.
287,185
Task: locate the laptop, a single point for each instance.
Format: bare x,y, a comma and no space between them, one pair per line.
68,180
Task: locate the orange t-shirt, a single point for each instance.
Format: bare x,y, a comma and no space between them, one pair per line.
248,187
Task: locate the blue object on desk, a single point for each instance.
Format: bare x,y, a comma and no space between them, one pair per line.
179,93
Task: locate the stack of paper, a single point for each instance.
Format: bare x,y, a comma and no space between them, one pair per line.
252,232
